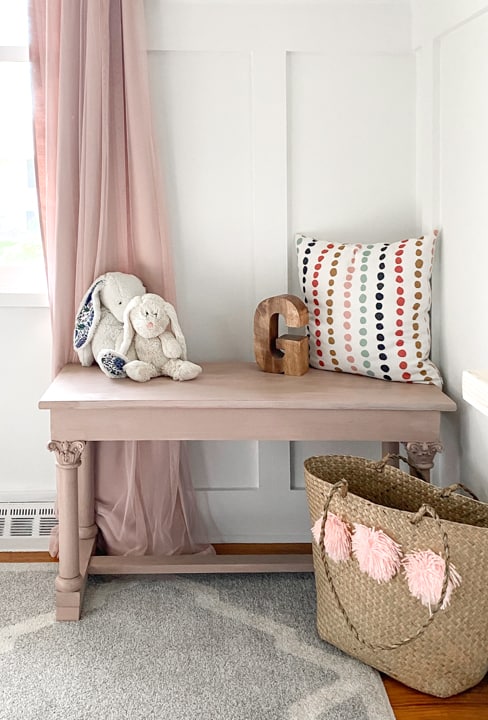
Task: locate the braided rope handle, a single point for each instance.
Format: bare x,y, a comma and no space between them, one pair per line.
444,492
342,487
381,464
450,489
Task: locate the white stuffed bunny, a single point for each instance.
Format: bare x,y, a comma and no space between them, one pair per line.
151,324
99,328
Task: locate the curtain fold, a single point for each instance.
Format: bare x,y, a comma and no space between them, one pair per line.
101,210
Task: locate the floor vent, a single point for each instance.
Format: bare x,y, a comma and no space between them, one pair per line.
26,526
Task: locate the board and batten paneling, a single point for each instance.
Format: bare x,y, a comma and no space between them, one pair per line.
272,119
202,104
451,40
352,148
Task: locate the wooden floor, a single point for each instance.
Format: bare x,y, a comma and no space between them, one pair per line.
407,704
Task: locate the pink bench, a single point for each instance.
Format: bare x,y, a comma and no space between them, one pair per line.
229,401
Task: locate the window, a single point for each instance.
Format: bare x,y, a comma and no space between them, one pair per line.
21,260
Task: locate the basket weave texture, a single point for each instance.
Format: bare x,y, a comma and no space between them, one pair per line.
442,653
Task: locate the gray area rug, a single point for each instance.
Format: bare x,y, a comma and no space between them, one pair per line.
213,647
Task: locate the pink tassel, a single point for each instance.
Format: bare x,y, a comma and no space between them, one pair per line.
377,554
424,571
337,537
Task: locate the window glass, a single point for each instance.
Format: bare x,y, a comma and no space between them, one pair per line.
14,26
21,259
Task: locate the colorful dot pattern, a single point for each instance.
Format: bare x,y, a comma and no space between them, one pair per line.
369,307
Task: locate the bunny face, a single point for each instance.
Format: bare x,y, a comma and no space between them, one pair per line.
117,290
149,317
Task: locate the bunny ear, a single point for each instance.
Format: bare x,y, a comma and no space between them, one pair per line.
175,326
128,329
88,315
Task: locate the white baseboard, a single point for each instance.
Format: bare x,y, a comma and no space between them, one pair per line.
42,495
24,544
259,538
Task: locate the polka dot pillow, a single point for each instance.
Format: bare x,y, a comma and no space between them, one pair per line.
369,307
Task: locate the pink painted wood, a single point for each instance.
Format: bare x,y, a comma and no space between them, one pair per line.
229,401
86,496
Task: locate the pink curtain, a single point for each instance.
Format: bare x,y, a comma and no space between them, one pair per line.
101,210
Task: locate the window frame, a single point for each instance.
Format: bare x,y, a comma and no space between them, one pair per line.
20,297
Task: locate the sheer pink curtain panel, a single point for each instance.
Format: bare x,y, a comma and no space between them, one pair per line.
101,208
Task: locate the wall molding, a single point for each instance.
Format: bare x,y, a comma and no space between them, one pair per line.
434,19
34,495
279,27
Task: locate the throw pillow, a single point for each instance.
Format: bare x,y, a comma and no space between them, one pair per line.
369,307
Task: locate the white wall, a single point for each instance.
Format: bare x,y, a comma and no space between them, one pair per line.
451,39
26,467
272,118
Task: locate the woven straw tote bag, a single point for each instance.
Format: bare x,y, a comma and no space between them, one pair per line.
437,651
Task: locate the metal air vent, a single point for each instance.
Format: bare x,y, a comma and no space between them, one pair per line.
26,525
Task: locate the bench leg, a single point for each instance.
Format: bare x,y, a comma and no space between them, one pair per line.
69,581
86,495
422,456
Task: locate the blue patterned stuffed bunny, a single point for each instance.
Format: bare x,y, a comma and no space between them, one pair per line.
99,329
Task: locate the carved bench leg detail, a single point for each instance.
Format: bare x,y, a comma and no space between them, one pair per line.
68,458
422,455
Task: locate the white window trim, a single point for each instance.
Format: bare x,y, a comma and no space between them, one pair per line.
19,53
20,299
14,53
